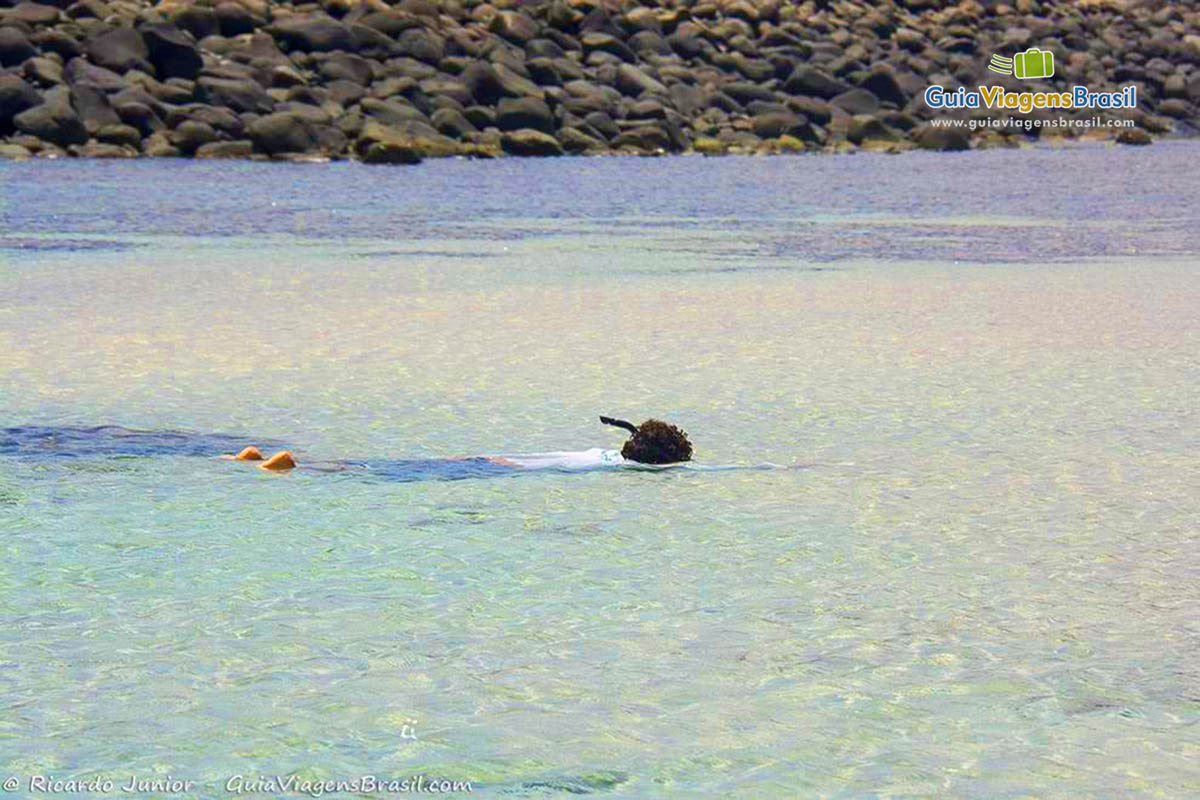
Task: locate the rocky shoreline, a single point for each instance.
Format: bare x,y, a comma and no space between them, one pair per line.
396,83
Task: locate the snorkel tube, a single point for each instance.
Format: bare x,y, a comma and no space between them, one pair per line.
620,423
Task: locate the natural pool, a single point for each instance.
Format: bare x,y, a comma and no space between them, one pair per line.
980,581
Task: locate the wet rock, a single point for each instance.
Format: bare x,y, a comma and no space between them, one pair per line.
120,135
514,26
139,116
928,137
53,121
513,114
235,149
14,151
172,52
190,135
80,72
101,150
774,125
882,83
529,142
1134,136
577,142
452,123
867,127
646,138
283,132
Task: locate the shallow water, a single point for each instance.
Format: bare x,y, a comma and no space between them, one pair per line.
981,581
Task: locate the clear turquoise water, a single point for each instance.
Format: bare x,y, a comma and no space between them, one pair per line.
983,582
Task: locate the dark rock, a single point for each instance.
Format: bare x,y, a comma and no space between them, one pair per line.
454,124
93,108
882,83
15,48
744,93
371,43
647,109
864,127
391,153
603,42
525,112
234,19
856,101
544,72
421,44
390,23
1134,136
320,34
56,41
172,52
139,116
121,49
345,93
236,149
514,26
101,150
480,116
346,66
543,48
200,21
529,142
649,42
690,45
120,135
81,73
647,138
485,84
603,124
240,95
43,72
448,89
14,151
576,141
774,125
191,134
814,82
219,119
282,133
1177,108
55,122
927,137
634,82
33,14
15,96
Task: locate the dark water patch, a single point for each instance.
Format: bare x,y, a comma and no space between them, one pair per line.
55,245
467,254
114,441
574,784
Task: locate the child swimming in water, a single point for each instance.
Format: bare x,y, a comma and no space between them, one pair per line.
652,442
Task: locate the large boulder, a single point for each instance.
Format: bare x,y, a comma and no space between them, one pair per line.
241,95
421,44
346,66
929,137
316,33
234,19
53,121
15,96
633,81
527,142
283,132
33,14
81,72
15,48
514,26
172,51
513,114
814,82
192,134
120,50
856,101
93,108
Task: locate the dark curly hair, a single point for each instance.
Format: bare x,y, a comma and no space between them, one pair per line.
656,442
